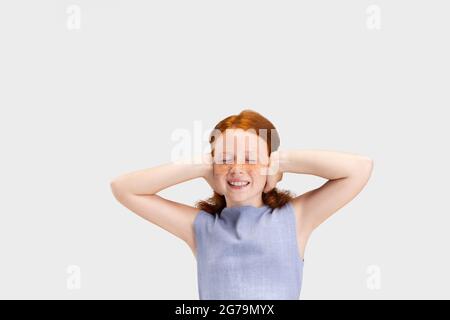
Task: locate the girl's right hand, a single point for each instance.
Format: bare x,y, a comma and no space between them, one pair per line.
208,169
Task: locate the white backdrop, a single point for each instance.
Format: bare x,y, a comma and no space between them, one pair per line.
92,89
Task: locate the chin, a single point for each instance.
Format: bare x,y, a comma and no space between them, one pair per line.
239,197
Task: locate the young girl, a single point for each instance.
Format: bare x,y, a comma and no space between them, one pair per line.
249,238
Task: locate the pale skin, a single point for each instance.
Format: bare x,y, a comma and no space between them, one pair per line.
347,174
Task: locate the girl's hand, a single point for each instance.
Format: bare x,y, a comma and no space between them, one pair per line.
208,173
274,174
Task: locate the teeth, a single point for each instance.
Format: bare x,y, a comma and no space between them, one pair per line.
239,184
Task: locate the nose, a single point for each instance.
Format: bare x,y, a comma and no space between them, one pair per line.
236,168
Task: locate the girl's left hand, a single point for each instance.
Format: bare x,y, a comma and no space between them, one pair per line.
274,175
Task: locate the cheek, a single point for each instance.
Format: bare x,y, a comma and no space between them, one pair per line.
220,170
219,175
258,175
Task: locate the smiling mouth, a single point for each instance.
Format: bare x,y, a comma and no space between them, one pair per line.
238,184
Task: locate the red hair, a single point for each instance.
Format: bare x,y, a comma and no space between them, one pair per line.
247,119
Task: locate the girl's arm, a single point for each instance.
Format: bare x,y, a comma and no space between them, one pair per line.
138,192
347,175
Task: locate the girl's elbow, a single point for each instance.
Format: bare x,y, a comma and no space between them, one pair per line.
116,188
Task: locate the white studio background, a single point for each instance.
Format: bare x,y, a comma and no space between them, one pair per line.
92,89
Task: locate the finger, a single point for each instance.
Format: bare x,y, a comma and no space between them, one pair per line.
268,187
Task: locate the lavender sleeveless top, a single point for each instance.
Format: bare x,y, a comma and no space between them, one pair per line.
248,253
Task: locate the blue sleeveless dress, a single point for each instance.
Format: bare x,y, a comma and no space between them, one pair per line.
248,253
